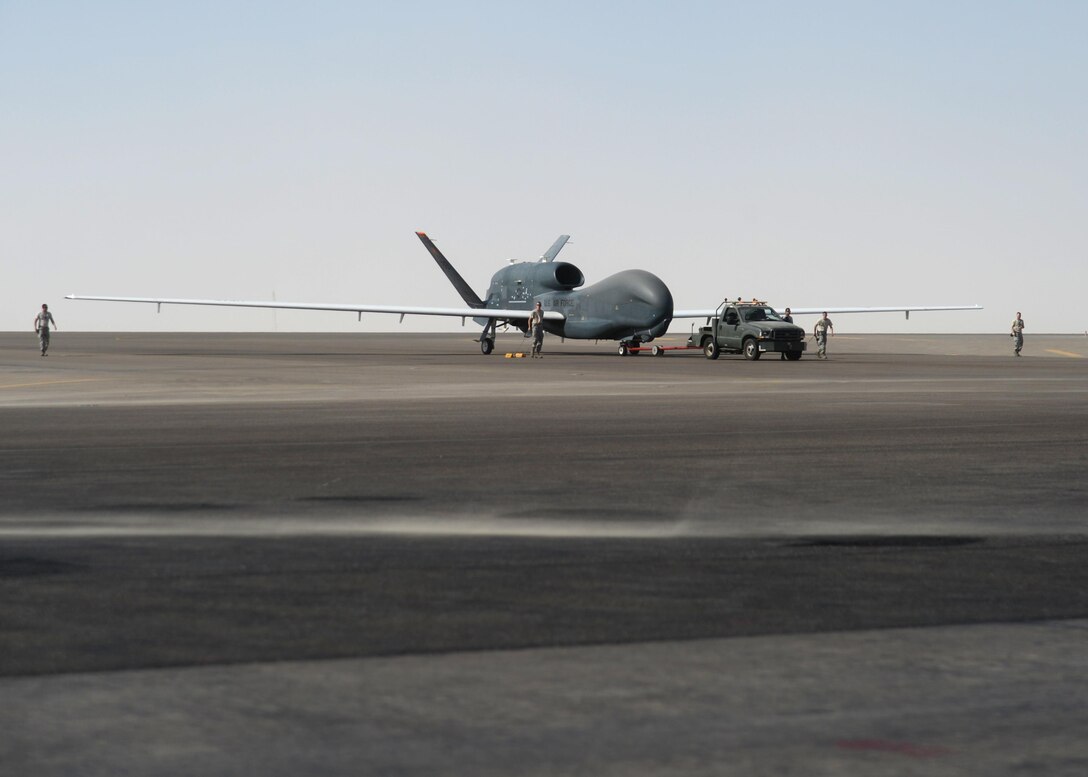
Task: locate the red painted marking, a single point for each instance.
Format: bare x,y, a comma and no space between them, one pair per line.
908,749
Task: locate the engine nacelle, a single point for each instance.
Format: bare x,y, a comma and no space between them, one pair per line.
516,286
552,276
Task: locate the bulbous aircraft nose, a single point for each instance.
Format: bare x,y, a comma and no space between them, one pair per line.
652,291
629,304
651,302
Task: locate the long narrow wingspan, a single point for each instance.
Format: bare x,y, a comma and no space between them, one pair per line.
476,309
908,309
493,313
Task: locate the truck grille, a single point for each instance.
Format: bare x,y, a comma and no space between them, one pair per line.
788,334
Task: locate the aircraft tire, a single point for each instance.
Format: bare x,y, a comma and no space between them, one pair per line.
711,349
487,345
794,356
623,350
656,351
751,350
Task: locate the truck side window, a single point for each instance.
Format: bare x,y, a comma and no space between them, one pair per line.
731,317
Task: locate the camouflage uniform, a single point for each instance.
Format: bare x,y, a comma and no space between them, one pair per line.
536,323
42,323
789,320
1018,334
820,331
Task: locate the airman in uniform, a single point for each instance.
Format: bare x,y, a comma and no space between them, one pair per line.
820,332
536,324
42,322
1017,333
788,318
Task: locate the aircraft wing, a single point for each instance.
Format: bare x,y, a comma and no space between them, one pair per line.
465,312
907,309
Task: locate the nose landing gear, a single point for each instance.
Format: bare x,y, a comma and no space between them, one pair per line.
630,347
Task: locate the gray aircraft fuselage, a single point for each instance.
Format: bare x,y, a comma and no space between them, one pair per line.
632,305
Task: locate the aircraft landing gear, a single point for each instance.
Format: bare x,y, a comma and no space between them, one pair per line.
630,348
487,339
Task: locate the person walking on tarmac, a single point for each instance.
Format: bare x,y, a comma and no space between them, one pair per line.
1017,333
42,322
536,324
820,332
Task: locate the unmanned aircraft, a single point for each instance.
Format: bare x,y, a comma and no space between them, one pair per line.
631,306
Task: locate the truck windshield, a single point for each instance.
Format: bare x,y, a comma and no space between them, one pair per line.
761,314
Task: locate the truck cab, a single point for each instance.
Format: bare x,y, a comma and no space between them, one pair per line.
750,328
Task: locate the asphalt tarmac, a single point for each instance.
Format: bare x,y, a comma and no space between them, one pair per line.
388,554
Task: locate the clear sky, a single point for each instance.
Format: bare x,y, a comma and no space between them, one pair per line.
807,153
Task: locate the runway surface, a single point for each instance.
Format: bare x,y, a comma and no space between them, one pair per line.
388,554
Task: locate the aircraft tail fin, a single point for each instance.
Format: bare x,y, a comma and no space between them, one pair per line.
467,294
557,246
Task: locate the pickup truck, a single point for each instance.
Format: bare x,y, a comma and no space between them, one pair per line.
752,328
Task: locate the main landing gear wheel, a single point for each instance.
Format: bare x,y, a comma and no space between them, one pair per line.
711,349
487,345
751,350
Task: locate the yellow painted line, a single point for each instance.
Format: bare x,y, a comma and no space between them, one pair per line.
1064,353
49,383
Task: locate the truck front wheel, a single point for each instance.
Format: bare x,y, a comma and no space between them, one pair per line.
751,349
710,349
